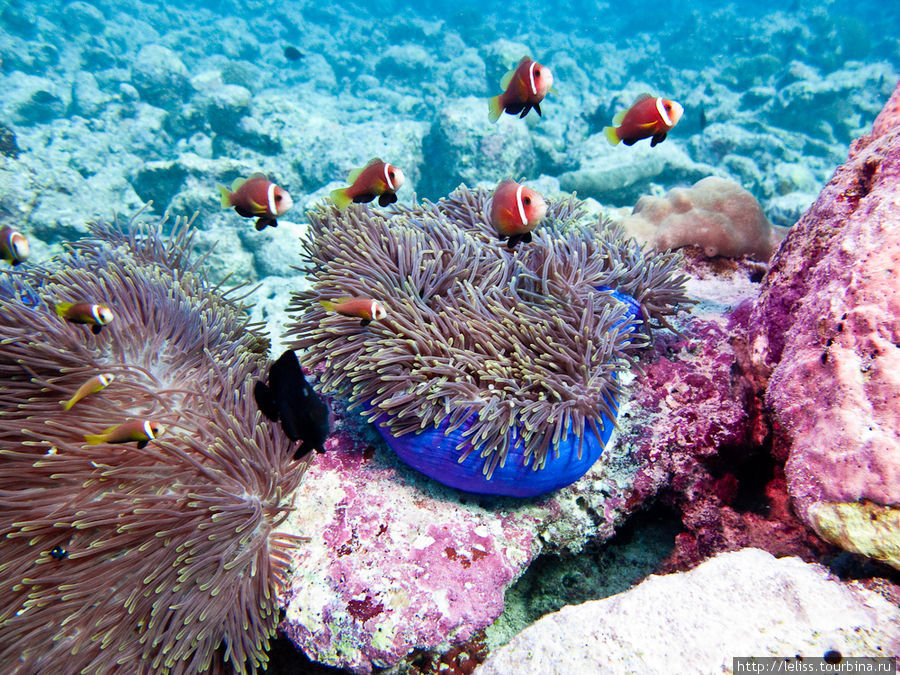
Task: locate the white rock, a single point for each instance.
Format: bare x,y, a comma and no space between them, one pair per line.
745,603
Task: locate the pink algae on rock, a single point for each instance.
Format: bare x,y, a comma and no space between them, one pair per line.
825,340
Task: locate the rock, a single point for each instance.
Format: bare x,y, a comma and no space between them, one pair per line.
785,210
620,176
267,303
8,145
407,62
824,339
160,76
737,604
467,76
276,250
87,99
464,147
225,106
31,100
717,215
81,17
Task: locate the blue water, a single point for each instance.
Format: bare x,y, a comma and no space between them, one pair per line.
115,104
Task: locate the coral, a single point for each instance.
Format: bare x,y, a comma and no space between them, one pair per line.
504,365
717,215
161,559
741,603
824,341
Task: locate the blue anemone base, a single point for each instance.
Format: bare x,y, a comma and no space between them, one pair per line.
435,454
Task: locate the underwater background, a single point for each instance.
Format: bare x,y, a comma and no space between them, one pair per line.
110,106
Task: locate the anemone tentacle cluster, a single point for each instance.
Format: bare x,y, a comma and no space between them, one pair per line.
116,558
502,347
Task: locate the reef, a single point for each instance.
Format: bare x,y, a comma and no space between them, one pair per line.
163,558
746,602
494,371
824,344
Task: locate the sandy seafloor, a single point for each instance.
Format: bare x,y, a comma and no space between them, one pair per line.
107,106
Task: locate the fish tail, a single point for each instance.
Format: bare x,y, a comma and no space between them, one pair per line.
226,197
328,305
611,135
62,308
340,198
94,439
67,405
494,108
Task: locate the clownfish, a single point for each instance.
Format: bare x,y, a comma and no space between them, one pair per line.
523,89
362,308
288,398
94,315
375,179
257,197
650,116
13,245
142,431
515,210
92,386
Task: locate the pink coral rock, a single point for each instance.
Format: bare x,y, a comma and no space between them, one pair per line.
825,335
717,215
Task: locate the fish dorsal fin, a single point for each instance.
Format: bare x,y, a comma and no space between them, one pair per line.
507,78
643,97
258,174
236,184
619,118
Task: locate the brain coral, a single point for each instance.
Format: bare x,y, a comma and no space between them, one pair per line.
115,558
717,215
494,371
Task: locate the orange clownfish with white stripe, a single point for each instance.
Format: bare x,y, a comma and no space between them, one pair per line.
361,308
515,210
649,117
91,314
523,89
257,197
375,179
141,431
13,245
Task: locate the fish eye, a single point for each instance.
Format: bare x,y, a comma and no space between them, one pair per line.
391,174
527,201
537,72
667,106
277,198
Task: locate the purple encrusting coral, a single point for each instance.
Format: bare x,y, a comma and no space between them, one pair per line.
162,558
495,371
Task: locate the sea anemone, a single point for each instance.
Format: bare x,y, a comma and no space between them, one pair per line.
117,558
495,371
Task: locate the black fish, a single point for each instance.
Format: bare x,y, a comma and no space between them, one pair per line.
288,398
292,53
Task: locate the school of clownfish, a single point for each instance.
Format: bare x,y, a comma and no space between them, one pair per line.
514,211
